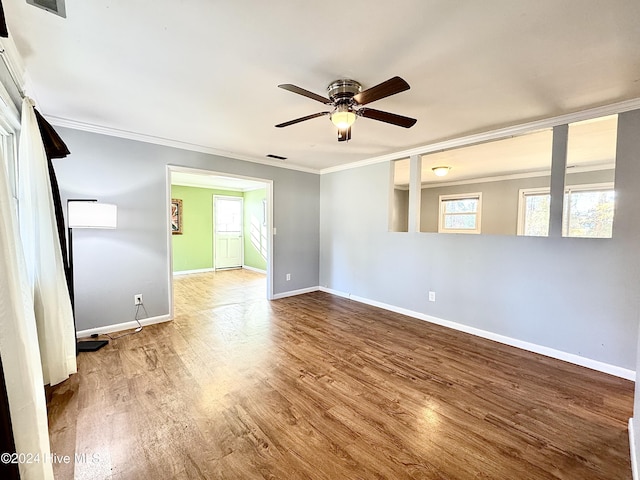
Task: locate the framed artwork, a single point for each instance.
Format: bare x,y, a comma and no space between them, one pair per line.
176,216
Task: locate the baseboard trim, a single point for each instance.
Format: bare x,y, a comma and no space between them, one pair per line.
187,272
531,347
632,448
254,269
337,293
118,327
293,293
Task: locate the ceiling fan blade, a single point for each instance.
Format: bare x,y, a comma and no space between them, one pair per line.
302,119
385,89
305,93
344,135
387,117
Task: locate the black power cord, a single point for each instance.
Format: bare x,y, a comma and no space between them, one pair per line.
138,329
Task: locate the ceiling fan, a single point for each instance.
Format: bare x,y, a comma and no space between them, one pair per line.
347,99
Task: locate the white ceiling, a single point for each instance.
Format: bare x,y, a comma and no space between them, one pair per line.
214,181
591,146
206,72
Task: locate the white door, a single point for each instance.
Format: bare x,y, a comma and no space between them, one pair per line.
227,221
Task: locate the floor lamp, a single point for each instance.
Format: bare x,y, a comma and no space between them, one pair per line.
83,213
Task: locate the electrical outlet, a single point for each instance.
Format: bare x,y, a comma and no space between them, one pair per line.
288,277
137,299
432,296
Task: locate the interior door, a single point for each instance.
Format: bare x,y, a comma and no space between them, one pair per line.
228,242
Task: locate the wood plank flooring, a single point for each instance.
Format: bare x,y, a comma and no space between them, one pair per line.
320,387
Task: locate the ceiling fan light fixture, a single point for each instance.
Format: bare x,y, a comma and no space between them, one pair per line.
441,171
346,98
343,118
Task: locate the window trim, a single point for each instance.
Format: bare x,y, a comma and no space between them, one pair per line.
9,162
460,196
9,133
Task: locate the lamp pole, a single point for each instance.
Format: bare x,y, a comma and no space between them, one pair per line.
85,345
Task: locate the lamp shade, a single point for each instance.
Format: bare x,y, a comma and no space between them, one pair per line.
90,214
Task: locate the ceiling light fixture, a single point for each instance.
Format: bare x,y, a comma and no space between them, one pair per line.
441,171
342,117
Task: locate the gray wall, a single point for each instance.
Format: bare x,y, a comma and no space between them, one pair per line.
400,211
576,295
113,265
499,200
629,147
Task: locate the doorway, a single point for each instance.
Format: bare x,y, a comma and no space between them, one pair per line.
238,237
228,232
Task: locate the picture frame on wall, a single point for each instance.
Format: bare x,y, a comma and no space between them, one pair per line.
176,216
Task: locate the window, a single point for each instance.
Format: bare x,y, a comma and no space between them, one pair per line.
533,212
460,213
588,211
228,213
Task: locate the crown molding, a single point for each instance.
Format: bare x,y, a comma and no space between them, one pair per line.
168,142
20,76
10,53
491,135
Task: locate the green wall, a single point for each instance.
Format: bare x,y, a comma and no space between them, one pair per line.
255,230
193,250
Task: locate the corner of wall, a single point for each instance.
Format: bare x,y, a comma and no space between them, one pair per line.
633,450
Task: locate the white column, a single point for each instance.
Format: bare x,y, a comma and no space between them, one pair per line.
415,190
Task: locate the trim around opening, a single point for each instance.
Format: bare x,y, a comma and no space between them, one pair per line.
268,185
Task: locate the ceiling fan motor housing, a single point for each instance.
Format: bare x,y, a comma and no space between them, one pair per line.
342,91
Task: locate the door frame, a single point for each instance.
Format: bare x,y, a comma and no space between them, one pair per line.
215,233
212,173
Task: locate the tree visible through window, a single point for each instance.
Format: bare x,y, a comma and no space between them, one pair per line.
588,212
536,215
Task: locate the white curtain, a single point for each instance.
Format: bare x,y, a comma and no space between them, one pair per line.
45,268
19,345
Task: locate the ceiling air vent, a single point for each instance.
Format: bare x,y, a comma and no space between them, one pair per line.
277,157
53,6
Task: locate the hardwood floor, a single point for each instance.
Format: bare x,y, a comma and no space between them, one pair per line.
320,387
